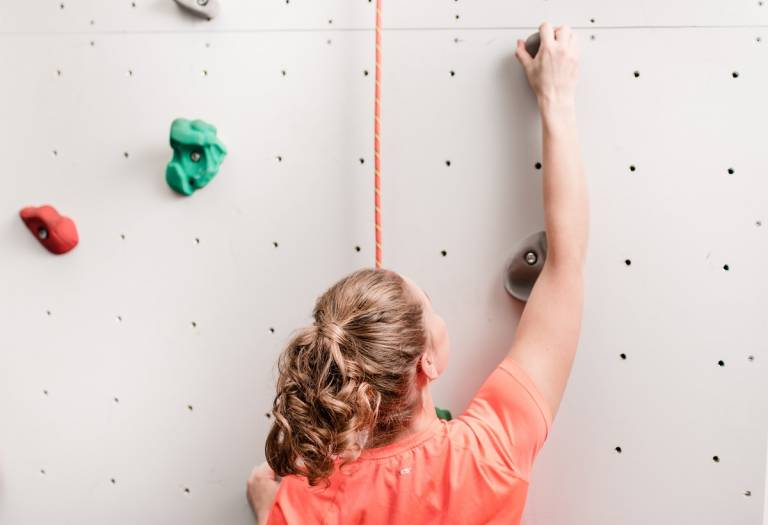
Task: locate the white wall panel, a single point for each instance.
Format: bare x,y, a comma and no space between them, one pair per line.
168,302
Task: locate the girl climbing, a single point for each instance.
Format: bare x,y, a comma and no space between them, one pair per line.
355,436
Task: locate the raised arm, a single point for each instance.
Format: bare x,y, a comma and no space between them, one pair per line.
547,336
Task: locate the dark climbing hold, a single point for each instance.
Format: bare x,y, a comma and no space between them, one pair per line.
532,44
197,155
57,233
204,8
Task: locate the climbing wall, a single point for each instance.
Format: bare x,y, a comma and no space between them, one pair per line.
136,371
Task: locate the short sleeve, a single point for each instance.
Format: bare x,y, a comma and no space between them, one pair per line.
509,417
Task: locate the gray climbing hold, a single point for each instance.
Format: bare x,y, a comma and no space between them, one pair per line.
532,44
204,8
525,265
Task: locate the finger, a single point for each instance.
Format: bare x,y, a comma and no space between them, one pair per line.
522,54
546,34
564,33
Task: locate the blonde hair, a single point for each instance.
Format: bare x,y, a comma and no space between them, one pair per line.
349,380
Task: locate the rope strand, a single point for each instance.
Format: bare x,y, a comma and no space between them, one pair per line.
377,138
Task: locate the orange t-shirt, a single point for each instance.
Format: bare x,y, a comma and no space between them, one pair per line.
473,469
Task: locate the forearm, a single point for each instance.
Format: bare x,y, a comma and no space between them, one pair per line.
566,206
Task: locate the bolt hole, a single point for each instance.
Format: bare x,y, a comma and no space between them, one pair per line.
61,6
457,17
116,399
271,330
357,248
119,318
735,74
186,490
125,154
284,72
750,358
730,171
716,459
93,43
279,158
112,480
632,167
122,236
47,312
194,324
190,408
537,165
623,356
45,392
362,160
197,240
130,72
726,267
269,416
365,72
55,153
637,74
618,449
443,253
42,471
627,262
747,493
721,363
592,20
453,73
448,163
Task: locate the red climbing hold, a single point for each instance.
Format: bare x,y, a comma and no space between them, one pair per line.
54,231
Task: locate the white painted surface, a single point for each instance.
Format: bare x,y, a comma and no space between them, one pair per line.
679,217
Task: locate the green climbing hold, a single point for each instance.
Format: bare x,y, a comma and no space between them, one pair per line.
443,413
197,155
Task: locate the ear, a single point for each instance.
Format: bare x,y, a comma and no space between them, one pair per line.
428,365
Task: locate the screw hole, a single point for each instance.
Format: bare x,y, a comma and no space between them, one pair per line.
279,158
45,392
116,400
623,356
632,167
443,253
730,171
283,72
721,363
194,324
47,312
747,493
627,262
365,72
112,480
592,20
453,73
122,236
269,416
42,471
537,165
197,240
716,459
637,74
726,267
271,330
618,449
190,408
448,163
357,248
750,358
735,74
186,490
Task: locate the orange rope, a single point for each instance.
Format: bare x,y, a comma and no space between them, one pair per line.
377,139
